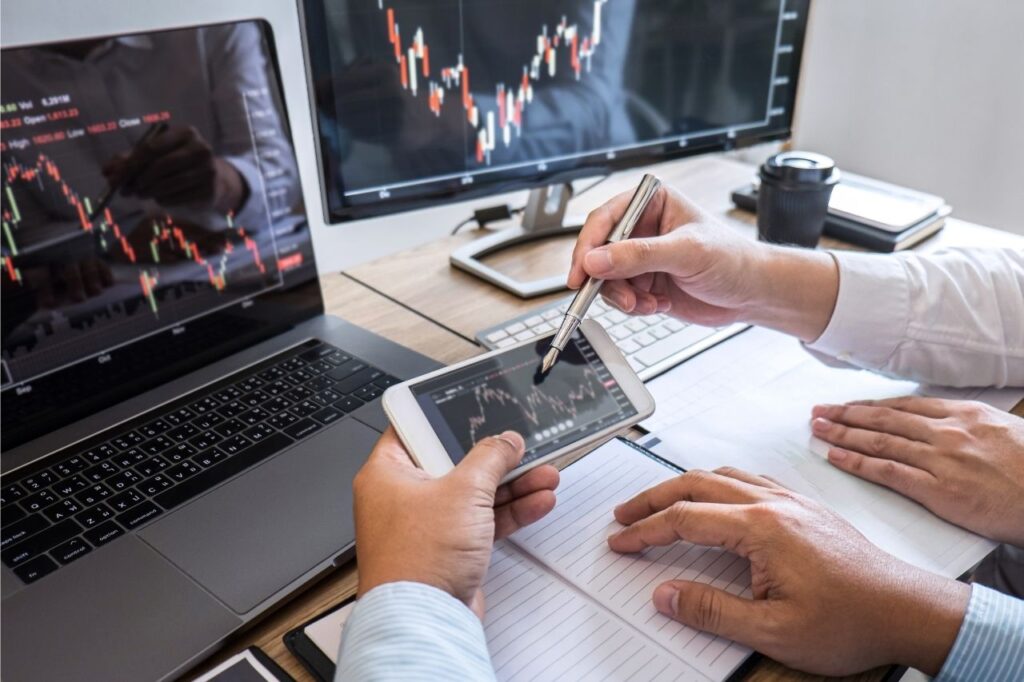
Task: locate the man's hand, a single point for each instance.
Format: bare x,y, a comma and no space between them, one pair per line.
176,168
962,460
826,600
682,261
440,531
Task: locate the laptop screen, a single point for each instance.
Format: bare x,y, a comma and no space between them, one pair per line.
152,215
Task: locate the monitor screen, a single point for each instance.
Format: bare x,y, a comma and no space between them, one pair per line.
152,215
418,100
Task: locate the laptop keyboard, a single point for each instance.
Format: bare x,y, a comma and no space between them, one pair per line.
132,474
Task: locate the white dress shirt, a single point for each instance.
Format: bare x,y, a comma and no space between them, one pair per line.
952,318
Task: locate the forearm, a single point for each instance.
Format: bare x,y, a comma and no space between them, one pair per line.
791,290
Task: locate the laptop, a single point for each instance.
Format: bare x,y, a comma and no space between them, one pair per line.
181,421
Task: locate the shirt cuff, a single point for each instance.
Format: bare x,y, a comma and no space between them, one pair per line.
412,631
990,644
872,289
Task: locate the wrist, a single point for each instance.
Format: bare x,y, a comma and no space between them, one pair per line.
792,290
930,610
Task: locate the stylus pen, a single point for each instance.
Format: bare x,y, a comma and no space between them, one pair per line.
107,196
592,287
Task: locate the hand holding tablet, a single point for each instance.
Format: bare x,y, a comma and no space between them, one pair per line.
587,397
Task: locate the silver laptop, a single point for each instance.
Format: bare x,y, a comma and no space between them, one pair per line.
180,421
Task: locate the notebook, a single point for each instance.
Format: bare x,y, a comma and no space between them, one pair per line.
561,605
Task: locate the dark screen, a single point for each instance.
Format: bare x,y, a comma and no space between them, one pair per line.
420,99
577,397
152,215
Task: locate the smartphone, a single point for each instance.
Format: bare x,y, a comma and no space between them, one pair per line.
589,395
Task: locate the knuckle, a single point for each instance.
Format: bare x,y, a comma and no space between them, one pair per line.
879,443
708,611
678,513
726,471
642,251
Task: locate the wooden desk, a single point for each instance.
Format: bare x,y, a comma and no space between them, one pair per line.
422,280
409,297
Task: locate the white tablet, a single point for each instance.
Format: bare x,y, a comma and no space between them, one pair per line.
589,395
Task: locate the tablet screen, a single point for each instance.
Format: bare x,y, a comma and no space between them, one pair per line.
576,398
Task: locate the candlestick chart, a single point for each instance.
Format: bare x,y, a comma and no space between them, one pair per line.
158,269
563,44
576,397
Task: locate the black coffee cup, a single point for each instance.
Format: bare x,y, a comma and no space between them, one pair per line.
792,201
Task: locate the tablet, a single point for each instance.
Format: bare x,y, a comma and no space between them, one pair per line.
589,395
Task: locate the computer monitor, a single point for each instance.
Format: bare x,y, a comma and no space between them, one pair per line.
420,101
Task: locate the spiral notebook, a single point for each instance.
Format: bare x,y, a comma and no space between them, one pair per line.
561,605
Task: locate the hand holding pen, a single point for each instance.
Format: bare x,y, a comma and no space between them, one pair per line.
649,185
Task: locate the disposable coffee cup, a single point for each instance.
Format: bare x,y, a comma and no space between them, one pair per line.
792,201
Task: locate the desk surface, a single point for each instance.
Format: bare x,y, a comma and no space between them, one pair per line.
408,299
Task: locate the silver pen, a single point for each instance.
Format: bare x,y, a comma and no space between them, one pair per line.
592,287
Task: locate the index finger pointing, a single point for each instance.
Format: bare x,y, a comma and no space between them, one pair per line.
703,523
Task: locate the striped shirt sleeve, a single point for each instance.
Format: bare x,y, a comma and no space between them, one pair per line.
990,644
410,631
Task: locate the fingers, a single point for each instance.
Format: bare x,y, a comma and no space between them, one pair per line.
752,479
879,418
508,518
703,523
906,480
542,478
595,232
877,444
492,458
633,257
693,486
926,407
629,299
709,609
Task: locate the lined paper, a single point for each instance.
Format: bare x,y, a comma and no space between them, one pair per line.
561,605
539,628
572,541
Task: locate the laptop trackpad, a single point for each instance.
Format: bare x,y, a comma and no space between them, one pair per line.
253,536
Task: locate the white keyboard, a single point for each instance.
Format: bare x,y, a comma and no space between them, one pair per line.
651,343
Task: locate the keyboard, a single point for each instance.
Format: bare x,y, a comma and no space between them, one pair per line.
118,481
651,343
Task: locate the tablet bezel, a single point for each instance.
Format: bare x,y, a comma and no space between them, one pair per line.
429,453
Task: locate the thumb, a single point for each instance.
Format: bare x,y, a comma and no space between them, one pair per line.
709,609
490,459
633,257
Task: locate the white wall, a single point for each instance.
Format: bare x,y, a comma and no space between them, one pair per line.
924,93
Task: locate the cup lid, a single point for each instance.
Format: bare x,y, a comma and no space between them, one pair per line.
798,166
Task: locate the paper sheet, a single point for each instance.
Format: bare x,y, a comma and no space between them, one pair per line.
753,361
572,541
767,431
539,628
540,623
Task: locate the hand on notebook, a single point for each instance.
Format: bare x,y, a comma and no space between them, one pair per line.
826,600
962,460
440,531
682,261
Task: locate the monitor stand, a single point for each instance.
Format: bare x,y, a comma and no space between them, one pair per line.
542,218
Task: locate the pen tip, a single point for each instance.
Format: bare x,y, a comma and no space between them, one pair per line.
549,360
